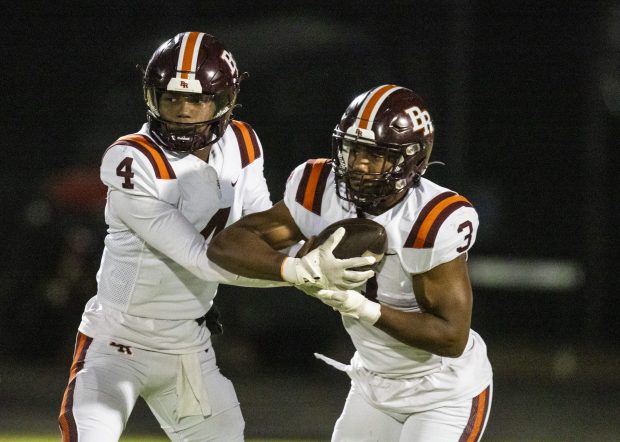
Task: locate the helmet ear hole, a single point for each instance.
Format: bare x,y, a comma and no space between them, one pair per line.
412,149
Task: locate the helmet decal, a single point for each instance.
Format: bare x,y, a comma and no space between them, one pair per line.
421,120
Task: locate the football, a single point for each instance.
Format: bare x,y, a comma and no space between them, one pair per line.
362,237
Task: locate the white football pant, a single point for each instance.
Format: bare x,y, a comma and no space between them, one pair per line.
462,421
106,380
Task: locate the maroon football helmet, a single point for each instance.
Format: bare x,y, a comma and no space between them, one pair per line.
389,123
191,63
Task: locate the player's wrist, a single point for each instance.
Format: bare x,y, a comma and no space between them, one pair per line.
370,312
288,270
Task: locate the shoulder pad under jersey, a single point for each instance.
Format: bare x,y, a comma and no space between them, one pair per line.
445,228
136,165
249,145
306,185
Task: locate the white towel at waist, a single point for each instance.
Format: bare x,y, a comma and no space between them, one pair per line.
192,399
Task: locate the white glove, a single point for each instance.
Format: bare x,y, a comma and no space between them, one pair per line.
309,289
322,269
351,303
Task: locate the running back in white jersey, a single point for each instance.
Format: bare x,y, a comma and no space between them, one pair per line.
431,226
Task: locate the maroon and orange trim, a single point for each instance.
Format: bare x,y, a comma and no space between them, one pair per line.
248,144
479,410
66,420
157,158
312,185
425,229
372,103
188,54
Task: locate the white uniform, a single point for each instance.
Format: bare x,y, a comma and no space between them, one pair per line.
431,226
155,280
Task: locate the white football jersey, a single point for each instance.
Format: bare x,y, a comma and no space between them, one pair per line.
431,226
163,207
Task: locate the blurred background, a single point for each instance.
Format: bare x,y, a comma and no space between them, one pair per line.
525,96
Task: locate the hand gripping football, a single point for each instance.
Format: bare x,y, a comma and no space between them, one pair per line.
363,237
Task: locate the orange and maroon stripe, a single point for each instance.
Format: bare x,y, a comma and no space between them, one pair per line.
477,417
66,420
248,144
312,185
157,158
425,229
187,56
374,100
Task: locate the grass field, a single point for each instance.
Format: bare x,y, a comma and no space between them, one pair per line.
55,438
138,438
530,405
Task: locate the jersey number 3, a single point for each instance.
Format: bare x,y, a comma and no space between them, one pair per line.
470,228
124,171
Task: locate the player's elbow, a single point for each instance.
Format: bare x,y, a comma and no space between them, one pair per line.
453,351
455,345
216,251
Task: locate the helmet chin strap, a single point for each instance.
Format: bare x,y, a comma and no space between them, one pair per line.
379,205
203,153
171,140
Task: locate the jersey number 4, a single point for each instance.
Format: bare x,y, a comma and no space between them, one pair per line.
217,223
124,171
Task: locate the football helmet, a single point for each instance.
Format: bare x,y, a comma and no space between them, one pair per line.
392,125
191,63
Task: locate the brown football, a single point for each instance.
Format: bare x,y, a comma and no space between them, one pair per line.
362,237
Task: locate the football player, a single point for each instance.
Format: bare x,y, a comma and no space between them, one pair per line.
419,373
187,173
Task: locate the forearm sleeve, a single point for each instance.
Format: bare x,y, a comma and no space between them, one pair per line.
165,229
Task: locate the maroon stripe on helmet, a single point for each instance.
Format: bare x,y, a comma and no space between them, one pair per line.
66,420
320,187
429,241
477,417
422,216
157,158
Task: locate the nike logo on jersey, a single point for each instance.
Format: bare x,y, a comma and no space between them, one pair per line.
233,183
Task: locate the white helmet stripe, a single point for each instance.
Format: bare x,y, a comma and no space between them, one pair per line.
372,103
188,55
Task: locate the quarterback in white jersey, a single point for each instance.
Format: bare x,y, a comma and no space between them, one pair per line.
189,172
419,372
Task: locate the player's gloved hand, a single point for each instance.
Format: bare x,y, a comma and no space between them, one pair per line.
351,303
321,268
309,289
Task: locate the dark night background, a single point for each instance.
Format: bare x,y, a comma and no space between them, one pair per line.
526,102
